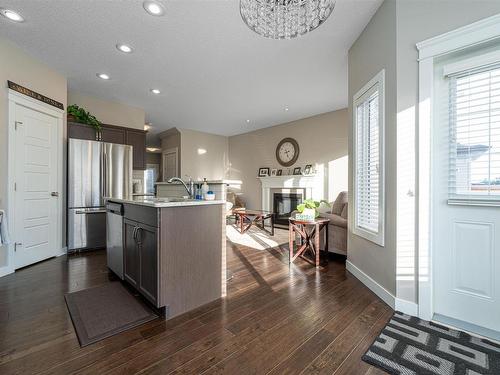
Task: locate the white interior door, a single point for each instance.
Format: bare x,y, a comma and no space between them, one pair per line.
467,267
36,192
466,203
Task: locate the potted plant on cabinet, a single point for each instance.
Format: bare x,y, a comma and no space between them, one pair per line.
78,114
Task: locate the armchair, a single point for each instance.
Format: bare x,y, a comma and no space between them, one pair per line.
337,227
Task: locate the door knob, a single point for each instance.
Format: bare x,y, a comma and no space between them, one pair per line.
54,194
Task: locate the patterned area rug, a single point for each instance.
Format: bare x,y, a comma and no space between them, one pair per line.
409,345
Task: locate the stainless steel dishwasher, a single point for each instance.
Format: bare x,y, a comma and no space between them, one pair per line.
114,237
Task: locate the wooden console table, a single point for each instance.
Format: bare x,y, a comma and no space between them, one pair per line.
309,232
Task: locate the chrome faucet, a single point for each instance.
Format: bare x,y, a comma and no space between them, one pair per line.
190,189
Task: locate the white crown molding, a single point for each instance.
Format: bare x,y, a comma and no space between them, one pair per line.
477,32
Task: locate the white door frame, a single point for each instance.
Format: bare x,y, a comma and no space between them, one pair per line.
476,33
14,99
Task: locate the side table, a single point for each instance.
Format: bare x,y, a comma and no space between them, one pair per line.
309,232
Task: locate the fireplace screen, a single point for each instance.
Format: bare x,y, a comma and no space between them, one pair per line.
283,205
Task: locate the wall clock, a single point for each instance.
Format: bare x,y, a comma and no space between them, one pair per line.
287,152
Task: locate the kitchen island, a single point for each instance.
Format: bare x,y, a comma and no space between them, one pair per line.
174,251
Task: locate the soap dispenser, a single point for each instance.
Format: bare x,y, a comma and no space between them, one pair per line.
204,188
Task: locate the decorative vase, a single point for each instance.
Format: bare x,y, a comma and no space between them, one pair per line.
309,213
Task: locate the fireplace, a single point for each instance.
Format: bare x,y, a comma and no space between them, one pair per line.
283,205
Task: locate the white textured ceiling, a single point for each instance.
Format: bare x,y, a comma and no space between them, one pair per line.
213,71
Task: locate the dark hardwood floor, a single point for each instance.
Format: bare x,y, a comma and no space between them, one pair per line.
276,319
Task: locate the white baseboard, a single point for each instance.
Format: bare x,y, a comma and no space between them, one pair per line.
6,270
407,307
64,251
375,287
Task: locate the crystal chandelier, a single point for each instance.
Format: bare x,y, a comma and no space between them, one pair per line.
285,19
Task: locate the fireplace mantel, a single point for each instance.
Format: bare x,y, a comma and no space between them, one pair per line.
310,185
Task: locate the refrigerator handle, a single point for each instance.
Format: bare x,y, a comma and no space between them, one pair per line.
103,173
106,174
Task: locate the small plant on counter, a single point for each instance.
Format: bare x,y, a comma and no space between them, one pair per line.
83,116
309,208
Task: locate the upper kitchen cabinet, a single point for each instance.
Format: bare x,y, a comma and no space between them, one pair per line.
82,131
113,134
137,139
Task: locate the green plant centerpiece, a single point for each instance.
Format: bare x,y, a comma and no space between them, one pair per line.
308,209
83,116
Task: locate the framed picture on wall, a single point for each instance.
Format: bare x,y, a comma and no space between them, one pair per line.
280,172
308,169
296,170
274,172
263,172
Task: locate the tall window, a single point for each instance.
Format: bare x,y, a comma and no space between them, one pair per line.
368,115
474,117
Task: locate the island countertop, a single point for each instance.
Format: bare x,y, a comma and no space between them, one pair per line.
161,202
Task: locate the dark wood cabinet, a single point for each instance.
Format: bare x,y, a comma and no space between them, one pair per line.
131,260
137,139
113,134
175,268
140,258
82,131
148,248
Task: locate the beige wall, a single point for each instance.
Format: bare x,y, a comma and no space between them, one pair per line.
19,67
322,140
212,164
374,50
109,112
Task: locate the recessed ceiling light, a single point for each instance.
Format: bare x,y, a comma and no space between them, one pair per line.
124,48
248,121
11,15
155,91
286,109
103,76
154,8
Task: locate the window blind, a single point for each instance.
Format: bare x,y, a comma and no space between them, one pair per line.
474,116
367,164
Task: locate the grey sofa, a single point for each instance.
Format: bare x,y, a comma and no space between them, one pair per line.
337,227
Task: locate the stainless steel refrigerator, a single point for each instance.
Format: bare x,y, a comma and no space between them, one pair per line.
95,170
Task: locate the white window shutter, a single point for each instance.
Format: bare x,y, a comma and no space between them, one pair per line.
368,161
474,117
367,209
